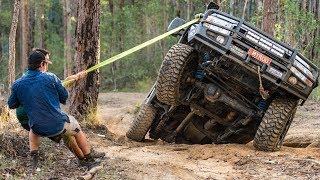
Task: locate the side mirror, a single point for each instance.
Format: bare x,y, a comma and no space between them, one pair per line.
213,5
176,22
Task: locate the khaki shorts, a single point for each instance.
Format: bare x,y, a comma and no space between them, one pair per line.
71,126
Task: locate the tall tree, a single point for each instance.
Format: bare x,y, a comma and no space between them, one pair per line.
84,95
269,15
25,34
114,66
231,7
31,25
12,43
0,35
39,23
165,25
178,11
244,9
67,31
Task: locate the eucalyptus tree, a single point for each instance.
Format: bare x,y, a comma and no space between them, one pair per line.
84,94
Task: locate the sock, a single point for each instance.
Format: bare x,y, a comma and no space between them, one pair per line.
34,153
88,156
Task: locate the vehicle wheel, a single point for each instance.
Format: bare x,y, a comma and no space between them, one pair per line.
179,64
141,123
275,124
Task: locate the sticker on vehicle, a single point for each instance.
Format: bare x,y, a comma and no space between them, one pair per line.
259,56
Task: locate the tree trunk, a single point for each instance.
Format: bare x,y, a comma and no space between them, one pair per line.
244,9
317,38
113,67
178,12
84,94
31,25
165,26
259,4
1,34
122,32
39,26
12,43
231,7
188,9
1,44
269,16
25,34
206,2
67,31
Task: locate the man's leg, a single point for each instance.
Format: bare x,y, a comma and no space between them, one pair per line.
73,128
34,143
82,142
72,145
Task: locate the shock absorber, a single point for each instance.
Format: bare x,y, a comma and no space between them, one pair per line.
200,71
263,104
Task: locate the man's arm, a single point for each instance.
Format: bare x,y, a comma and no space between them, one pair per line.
13,101
63,93
74,78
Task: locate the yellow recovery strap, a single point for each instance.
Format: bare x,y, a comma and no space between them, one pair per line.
134,49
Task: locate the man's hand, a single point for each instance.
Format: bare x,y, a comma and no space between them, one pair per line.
75,78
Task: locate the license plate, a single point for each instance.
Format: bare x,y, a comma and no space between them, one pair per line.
259,56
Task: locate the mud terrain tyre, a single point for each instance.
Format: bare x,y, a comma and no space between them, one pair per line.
275,124
179,63
141,123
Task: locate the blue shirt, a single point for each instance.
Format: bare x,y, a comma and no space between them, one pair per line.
40,94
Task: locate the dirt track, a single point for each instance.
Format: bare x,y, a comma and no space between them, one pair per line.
298,159
160,160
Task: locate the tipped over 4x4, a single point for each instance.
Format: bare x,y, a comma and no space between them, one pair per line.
225,82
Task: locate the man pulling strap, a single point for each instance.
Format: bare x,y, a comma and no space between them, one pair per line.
40,94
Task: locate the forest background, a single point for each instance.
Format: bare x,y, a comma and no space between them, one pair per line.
51,24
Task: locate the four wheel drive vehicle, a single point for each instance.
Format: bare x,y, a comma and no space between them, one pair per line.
225,82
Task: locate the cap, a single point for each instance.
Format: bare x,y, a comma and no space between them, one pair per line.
36,57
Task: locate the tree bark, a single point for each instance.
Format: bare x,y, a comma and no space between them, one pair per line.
39,24
317,34
0,37
67,31
84,94
1,34
31,25
165,26
206,2
188,9
231,7
25,34
244,9
269,16
113,67
12,43
259,4
178,12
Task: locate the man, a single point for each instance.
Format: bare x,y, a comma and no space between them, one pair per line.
40,94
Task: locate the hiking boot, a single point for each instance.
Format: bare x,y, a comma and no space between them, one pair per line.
89,163
34,158
95,154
